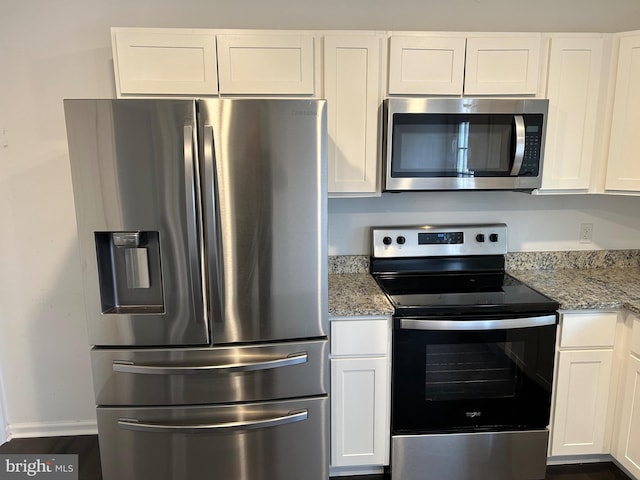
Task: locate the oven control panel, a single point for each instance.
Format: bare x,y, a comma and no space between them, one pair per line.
439,240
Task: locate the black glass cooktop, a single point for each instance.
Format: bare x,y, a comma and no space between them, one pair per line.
461,294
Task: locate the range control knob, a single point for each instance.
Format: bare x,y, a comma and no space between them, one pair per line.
387,240
480,237
401,240
493,237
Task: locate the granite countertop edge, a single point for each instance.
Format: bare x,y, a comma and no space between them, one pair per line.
591,280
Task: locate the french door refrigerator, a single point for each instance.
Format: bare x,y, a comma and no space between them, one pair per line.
201,227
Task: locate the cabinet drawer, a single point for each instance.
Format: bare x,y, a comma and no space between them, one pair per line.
359,337
588,330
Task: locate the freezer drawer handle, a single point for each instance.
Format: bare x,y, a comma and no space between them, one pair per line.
290,417
130,367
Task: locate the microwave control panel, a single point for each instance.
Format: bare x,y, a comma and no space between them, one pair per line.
532,146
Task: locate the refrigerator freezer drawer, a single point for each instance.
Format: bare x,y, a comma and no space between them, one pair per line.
286,440
187,376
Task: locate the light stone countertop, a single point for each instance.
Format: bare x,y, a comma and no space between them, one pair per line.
356,294
599,280
594,288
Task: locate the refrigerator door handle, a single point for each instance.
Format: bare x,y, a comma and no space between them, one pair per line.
192,227
214,263
130,367
159,427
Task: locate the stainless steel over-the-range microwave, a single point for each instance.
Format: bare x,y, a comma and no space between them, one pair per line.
463,143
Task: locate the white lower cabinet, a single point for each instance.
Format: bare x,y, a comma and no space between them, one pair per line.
358,386
629,433
582,394
583,385
359,392
627,445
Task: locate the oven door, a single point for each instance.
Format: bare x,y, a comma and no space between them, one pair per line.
472,374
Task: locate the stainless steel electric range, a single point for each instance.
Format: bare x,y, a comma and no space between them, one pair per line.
473,353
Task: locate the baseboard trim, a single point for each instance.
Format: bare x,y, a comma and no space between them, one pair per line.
349,471
575,459
52,429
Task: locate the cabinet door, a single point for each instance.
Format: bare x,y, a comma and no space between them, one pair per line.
426,65
582,393
628,453
359,420
574,78
353,93
267,64
623,168
502,65
164,62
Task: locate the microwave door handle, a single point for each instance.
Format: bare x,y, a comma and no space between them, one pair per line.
290,417
520,139
467,325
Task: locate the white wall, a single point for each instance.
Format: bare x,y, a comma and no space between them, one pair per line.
55,49
535,222
4,435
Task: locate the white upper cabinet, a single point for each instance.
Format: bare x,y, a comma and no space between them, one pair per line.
574,89
623,168
266,64
164,62
352,87
471,65
425,64
503,65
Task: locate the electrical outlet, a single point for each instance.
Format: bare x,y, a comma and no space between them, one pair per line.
586,232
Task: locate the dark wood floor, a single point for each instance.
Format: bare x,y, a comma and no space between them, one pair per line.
86,447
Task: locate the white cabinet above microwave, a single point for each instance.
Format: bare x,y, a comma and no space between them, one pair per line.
440,64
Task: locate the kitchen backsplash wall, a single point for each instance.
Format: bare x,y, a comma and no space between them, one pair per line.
584,259
535,222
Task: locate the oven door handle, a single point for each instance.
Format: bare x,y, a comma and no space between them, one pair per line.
492,324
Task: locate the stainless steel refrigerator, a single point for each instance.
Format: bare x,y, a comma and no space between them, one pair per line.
201,226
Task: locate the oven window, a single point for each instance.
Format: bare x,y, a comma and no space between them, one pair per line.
472,370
